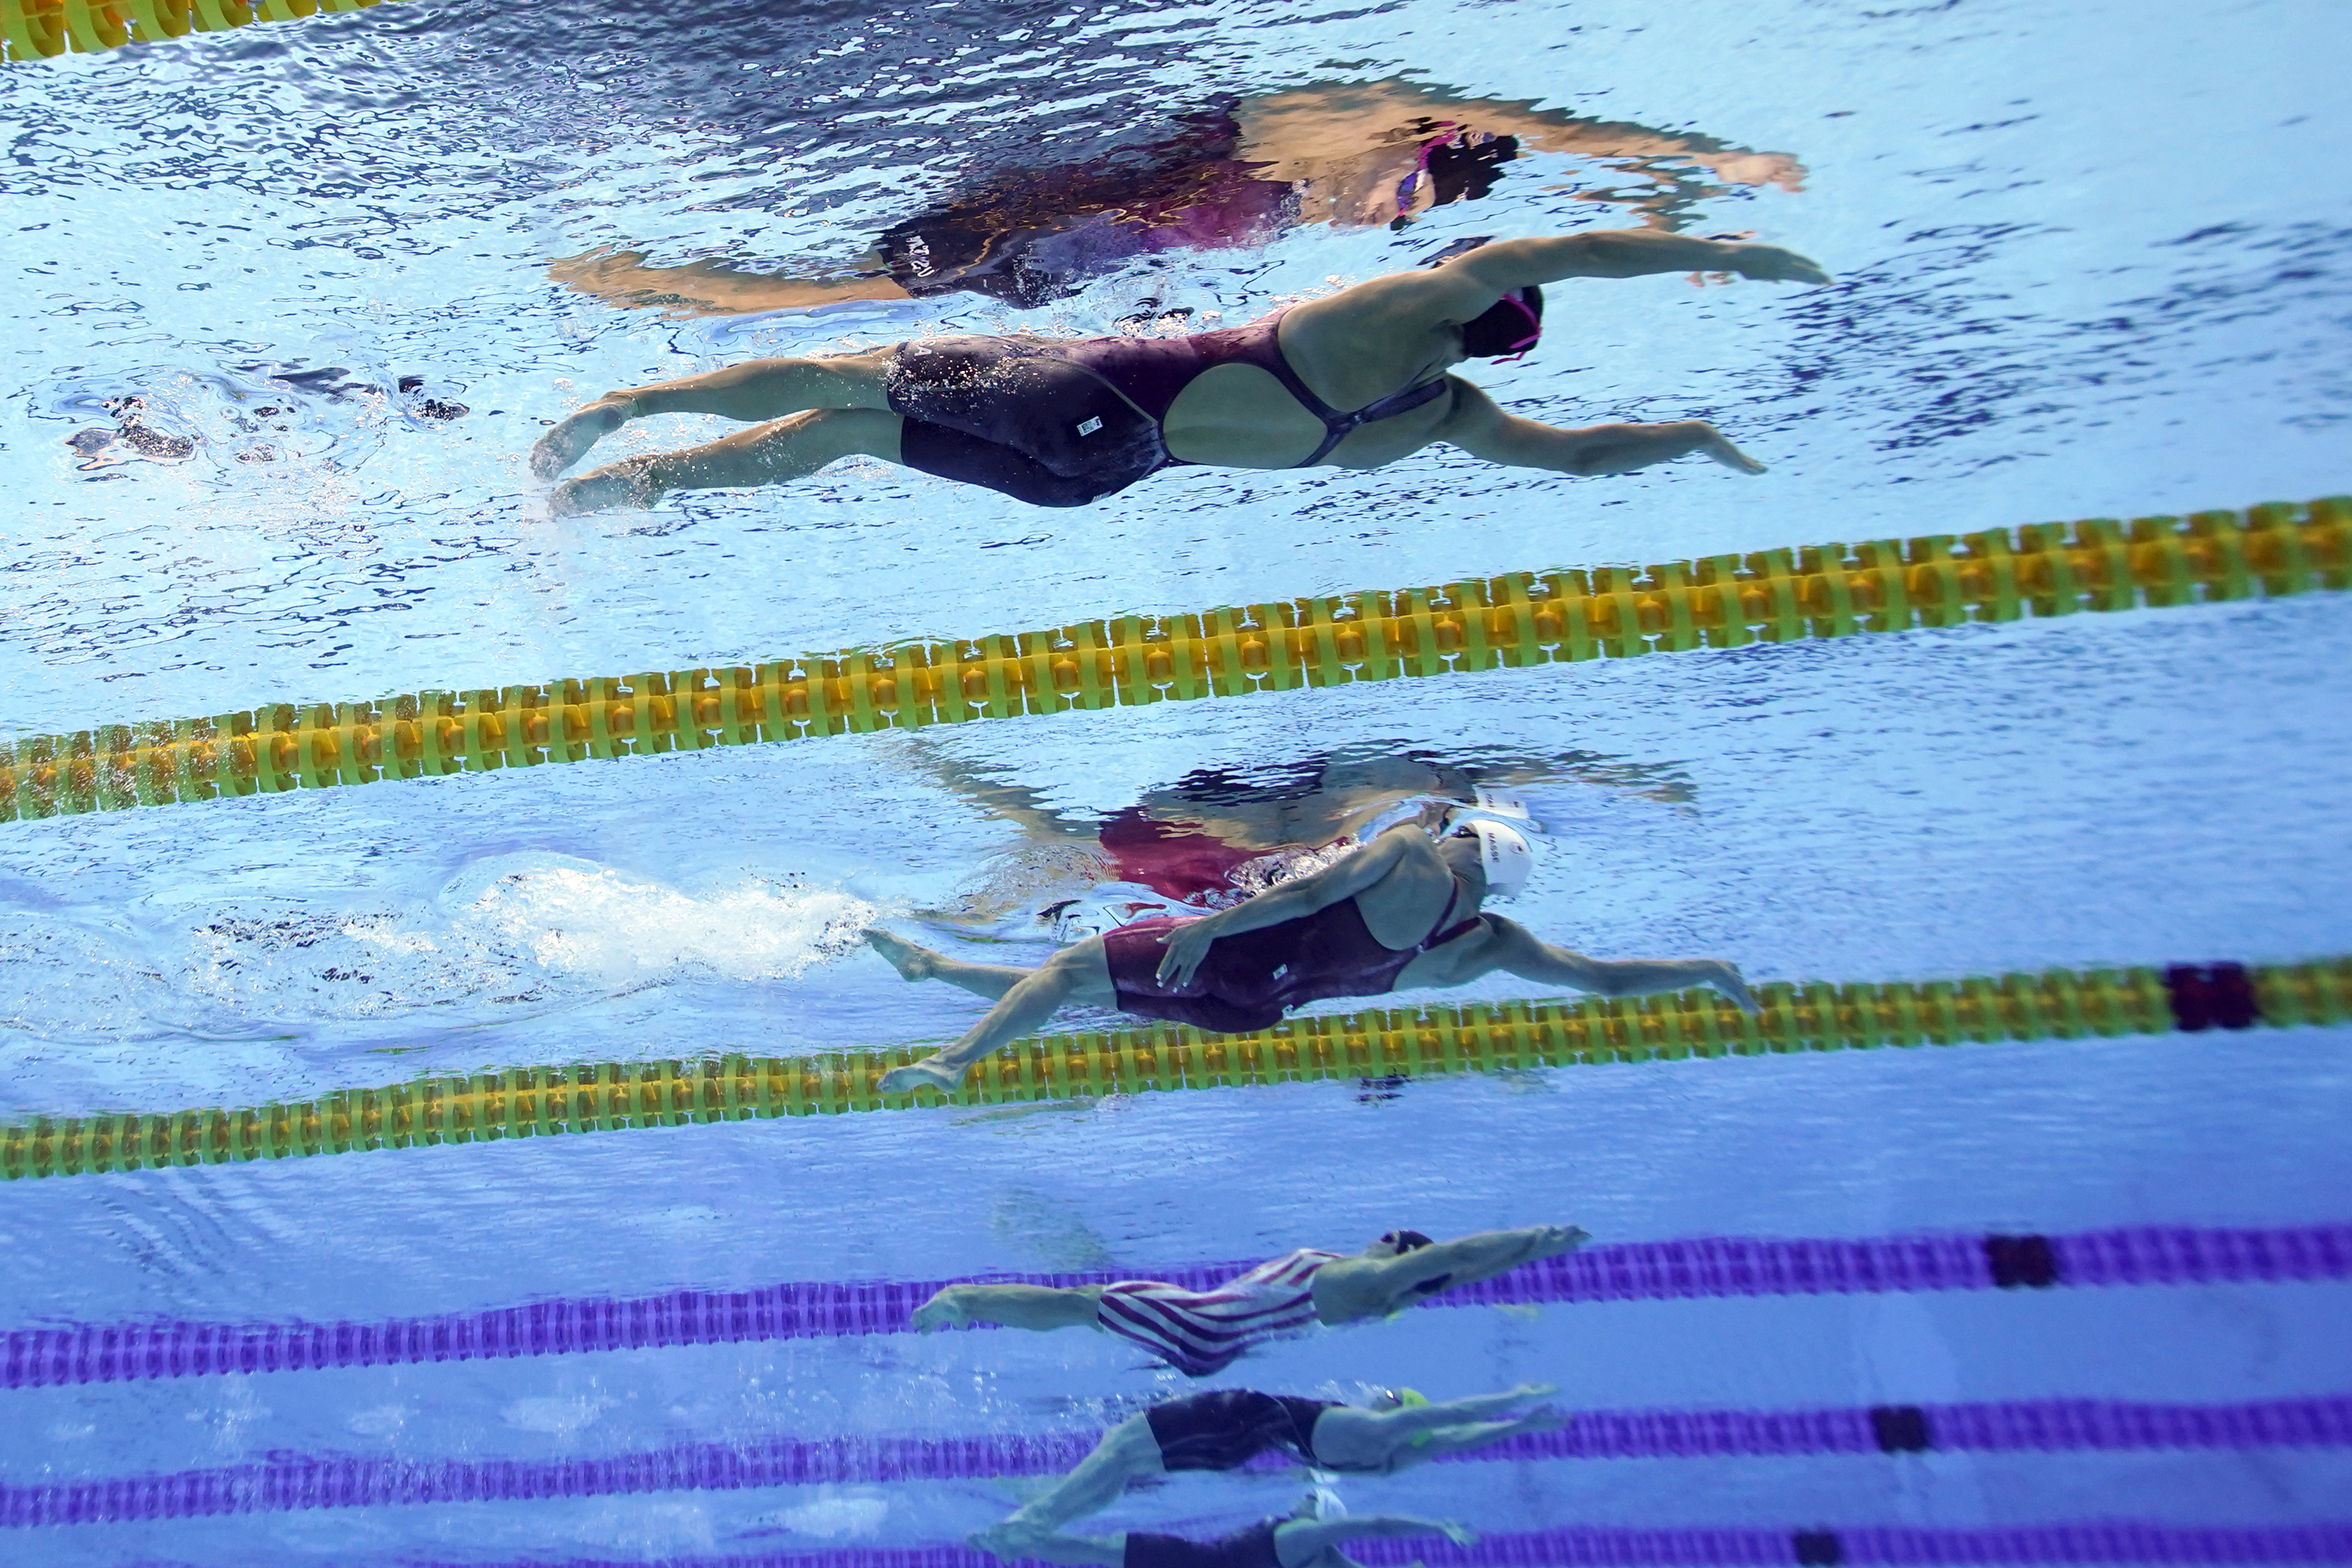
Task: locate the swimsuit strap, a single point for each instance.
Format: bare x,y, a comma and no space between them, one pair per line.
1440,934
1336,425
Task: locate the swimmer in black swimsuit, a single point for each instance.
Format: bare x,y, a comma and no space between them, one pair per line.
1301,1541
1226,1428
1355,379
1400,913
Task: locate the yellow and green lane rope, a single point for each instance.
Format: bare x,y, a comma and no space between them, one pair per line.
1524,619
42,30
1377,1045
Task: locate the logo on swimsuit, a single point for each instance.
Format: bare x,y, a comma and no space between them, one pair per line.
1090,426
919,254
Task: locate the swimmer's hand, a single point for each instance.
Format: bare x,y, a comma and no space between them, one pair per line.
945,1310
1552,1240
562,446
1771,264
1715,444
1727,982
915,1074
1458,1532
1182,950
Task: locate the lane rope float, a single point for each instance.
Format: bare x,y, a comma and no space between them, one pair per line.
43,29
2099,1541
1522,620
1379,1047
304,1482
1700,1268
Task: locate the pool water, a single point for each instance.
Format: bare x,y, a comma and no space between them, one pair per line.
2088,264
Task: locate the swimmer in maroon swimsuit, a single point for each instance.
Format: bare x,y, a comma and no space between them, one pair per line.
1301,1541
1400,913
1355,379
1226,1427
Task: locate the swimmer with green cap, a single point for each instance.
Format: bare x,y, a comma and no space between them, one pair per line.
1226,1428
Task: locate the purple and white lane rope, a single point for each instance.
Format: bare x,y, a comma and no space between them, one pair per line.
1869,1546
362,1480
1645,1270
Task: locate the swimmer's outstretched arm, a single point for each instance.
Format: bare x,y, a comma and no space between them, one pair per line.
1622,253
1351,1288
1480,427
1394,1439
1512,947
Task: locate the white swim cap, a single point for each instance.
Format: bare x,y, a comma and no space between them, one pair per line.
1506,856
1501,825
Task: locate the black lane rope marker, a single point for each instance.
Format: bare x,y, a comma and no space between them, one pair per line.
300,1483
1624,1272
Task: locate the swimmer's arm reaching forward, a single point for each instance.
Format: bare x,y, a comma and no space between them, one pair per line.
1483,430
1364,1287
1618,252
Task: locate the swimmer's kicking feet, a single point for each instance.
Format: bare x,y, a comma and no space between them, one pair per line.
1399,915
1355,379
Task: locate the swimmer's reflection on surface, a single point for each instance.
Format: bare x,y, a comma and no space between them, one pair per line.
1351,156
1216,836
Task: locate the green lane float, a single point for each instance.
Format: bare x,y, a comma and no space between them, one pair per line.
1525,619
1377,1046
42,30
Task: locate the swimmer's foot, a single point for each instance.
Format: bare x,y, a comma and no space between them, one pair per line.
915,1074
628,482
912,963
1010,1539
562,446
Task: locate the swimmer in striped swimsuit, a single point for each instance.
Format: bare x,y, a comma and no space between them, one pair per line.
1205,1330
1355,379
1226,1427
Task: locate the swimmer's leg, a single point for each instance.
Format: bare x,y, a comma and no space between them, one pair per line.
755,389
1080,974
1127,1452
913,963
787,448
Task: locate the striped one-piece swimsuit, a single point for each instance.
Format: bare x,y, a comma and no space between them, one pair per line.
1203,1332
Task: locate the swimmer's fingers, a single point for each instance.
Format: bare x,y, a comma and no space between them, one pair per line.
1459,1533
1557,1238
1181,951
941,1311
1734,988
1717,446
1771,264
